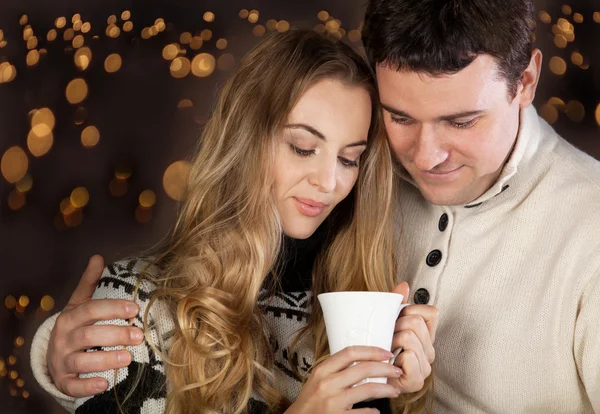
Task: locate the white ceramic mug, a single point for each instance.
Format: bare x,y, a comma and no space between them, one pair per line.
361,318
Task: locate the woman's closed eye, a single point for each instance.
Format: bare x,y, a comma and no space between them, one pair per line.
302,152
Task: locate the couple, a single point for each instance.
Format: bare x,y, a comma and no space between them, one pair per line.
472,199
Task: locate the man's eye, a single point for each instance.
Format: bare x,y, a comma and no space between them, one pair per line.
401,121
466,124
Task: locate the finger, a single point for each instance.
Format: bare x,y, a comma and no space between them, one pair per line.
89,280
367,391
403,289
97,361
83,387
408,341
96,310
430,315
358,372
412,379
416,324
104,335
341,360
365,411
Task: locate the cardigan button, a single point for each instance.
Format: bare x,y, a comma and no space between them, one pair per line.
433,258
443,223
421,297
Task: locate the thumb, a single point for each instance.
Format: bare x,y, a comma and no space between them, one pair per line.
403,289
89,280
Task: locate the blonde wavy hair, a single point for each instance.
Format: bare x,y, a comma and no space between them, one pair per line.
228,235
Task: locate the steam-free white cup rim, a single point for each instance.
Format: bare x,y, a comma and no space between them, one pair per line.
350,293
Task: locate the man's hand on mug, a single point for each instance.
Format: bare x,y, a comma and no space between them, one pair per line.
74,332
415,334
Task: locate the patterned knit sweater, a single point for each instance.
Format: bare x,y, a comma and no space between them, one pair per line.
286,311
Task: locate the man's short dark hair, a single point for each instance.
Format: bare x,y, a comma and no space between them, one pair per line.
445,36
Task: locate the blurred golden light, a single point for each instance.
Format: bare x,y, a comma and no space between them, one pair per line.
86,27
76,91
68,35
16,200
82,58
570,36
578,18
196,43
7,72
80,115
43,52
206,35
3,43
14,164
113,31
544,17
24,301
203,65
13,375
60,22
320,28
113,63
10,302
596,17
209,17
2,364
80,197
159,20
1,35
577,58
566,9
112,19
12,360
27,33
47,303
77,25
354,35
24,184
161,26
332,26
253,16
126,15
51,35
174,179
20,382
122,171
243,14
598,114
26,394
74,219
185,103
39,145
259,30
19,341
90,136
33,57
180,67
549,113
78,41
558,66
128,26
147,198
185,38
146,33
32,42
226,62
283,26
66,207
23,20
76,17
154,30
575,111
221,44
118,187
585,66
323,15
143,215
271,24
41,120
170,52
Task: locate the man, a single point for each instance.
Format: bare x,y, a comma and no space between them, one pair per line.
497,213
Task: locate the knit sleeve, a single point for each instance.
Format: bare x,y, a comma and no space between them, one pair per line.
139,388
587,341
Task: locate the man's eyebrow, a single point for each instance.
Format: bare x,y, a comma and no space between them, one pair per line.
448,117
320,135
308,128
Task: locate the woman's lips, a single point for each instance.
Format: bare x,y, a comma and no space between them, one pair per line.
308,207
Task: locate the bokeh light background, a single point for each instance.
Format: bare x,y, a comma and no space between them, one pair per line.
101,103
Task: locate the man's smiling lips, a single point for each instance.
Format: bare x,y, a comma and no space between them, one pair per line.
440,175
309,207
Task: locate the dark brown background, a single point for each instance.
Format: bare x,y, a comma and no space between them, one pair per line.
135,110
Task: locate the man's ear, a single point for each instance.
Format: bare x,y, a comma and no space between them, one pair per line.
529,79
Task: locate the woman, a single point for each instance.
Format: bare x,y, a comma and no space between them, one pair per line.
228,300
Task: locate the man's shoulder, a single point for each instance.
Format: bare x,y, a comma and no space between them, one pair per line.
576,164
